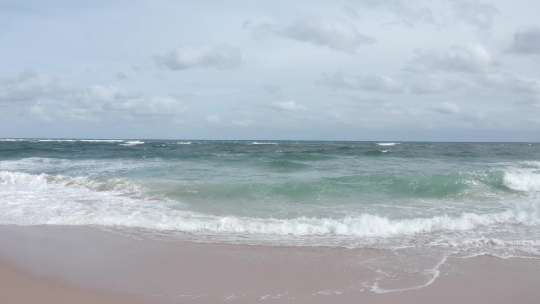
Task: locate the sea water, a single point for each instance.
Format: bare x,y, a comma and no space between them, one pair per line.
435,199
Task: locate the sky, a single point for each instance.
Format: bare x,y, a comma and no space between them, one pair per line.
437,70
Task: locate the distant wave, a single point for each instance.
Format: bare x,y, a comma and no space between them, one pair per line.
388,144
184,143
132,143
263,143
103,140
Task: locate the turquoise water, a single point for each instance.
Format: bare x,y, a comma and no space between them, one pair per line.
481,196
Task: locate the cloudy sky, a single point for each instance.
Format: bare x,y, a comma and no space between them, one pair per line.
335,70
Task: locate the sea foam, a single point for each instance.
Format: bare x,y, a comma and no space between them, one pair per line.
522,181
132,143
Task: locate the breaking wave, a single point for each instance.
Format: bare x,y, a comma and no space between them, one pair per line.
29,199
522,181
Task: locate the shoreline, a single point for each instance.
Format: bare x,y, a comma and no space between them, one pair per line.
93,265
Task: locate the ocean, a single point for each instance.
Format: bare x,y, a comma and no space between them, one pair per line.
409,198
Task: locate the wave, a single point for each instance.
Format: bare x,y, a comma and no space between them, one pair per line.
123,203
283,165
184,143
375,152
102,140
42,181
388,144
11,139
133,143
263,143
57,140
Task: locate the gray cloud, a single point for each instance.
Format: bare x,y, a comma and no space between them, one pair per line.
350,11
440,13
273,91
526,42
138,68
513,83
404,12
121,76
475,13
287,106
335,34
447,108
422,83
374,83
466,58
221,57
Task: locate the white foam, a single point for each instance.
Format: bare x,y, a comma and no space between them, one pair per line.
433,273
263,143
522,181
133,143
385,151
388,144
10,139
57,140
184,143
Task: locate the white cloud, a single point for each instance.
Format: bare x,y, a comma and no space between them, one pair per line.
526,42
29,86
51,99
447,108
214,119
466,58
114,99
374,83
221,57
335,34
287,106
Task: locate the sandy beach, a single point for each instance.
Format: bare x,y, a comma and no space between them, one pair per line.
86,265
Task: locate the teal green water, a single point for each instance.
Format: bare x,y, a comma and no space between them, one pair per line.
282,192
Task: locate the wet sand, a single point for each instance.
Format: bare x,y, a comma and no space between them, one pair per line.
85,265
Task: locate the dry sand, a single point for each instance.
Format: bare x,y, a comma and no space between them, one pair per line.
85,265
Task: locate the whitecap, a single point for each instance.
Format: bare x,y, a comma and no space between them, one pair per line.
102,140
132,143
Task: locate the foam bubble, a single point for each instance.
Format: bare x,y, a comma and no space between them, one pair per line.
522,181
